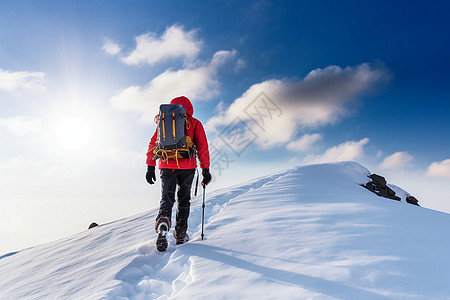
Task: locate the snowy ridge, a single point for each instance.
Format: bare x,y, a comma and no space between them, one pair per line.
311,232
154,274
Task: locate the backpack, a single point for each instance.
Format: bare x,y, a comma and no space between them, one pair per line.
172,142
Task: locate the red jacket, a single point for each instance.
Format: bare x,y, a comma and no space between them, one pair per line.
194,130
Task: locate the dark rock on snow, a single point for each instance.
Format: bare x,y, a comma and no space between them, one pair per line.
379,186
93,225
412,200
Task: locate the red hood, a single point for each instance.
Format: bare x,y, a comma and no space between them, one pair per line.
186,104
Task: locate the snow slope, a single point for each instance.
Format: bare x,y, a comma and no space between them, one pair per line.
306,233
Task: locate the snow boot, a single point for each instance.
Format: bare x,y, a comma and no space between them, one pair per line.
185,239
159,220
180,235
161,240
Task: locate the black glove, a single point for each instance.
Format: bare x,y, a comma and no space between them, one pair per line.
150,175
206,176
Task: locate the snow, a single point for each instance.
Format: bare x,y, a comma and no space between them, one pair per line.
310,232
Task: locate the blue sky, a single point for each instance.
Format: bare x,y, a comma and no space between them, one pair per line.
80,82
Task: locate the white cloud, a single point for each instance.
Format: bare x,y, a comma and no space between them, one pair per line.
21,125
439,169
23,80
197,84
173,43
379,154
321,98
304,143
350,150
110,47
396,160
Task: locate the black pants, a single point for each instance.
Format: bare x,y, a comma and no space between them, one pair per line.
169,181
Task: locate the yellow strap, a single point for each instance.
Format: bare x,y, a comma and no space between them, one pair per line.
151,149
163,154
164,129
176,158
173,125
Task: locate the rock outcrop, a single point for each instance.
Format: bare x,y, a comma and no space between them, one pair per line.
379,186
412,200
93,225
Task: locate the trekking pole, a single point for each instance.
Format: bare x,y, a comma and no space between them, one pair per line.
203,210
196,184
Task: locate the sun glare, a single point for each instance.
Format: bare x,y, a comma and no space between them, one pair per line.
74,133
